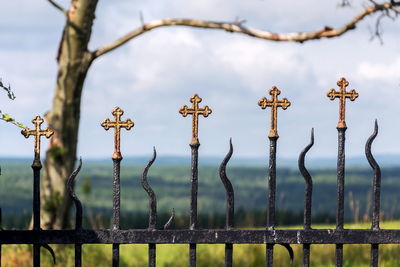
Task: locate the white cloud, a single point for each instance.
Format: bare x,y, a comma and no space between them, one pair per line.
380,71
259,64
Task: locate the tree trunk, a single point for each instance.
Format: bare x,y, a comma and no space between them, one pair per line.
74,60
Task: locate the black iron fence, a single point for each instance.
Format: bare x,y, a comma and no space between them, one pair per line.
193,235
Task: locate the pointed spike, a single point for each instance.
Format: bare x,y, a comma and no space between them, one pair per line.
73,175
150,192
170,220
228,188
290,251
312,135
377,177
49,249
80,162
75,199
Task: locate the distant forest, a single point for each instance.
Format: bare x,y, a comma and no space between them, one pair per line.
171,185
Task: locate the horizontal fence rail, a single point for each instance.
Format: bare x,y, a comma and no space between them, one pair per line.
219,236
153,235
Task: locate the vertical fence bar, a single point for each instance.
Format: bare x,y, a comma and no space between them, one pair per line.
376,194
230,204
116,207
340,191
274,103
152,255
116,158
195,111
271,196
194,185
340,176
193,199
36,166
341,127
1,228
307,198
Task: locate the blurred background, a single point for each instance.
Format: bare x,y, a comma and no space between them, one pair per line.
151,77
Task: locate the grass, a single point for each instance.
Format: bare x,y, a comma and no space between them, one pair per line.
208,255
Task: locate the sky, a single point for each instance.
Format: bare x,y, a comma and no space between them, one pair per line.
152,76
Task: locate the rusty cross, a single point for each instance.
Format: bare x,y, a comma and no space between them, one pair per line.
342,95
195,111
117,125
274,103
37,133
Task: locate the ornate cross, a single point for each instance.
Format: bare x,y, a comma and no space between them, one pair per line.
274,103
37,133
195,111
342,94
117,125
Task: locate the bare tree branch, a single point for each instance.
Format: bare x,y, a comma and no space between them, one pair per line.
345,3
56,5
4,116
10,93
237,27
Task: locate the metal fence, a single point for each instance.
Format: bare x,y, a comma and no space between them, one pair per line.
193,235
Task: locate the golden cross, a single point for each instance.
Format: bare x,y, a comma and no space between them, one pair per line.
274,104
37,132
342,94
195,111
117,125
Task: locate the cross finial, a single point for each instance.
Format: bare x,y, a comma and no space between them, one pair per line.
37,133
117,125
342,95
274,103
195,111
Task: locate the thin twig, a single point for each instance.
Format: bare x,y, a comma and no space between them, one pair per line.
345,3
10,93
7,118
4,116
57,6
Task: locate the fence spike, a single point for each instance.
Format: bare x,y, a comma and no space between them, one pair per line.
377,192
150,192
78,211
170,220
309,183
230,200
377,177
307,197
290,251
230,203
75,199
49,249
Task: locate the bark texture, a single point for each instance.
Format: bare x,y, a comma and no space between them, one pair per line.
74,60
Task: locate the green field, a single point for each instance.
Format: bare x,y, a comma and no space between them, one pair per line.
208,255
171,184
